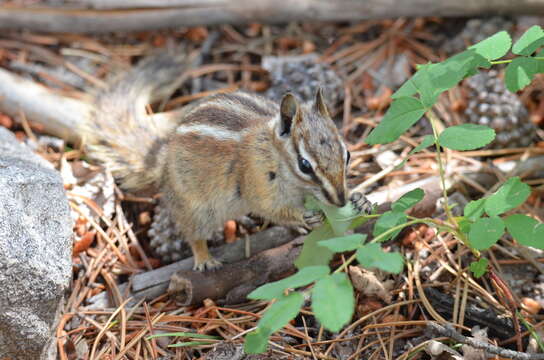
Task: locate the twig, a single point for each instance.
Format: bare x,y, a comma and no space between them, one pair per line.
194,13
450,332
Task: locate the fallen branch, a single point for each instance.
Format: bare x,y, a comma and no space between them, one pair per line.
146,15
154,283
449,331
58,114
234,281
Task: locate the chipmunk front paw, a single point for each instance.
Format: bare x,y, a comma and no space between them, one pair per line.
209,264
313,218
361,203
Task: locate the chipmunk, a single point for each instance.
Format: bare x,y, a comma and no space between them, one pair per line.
229,154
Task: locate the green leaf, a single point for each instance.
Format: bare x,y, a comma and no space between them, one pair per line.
408,200
388,220
520,72
479,267
466,137
256,341
281,312
372,256
423,85
311,203
464,224
427,141
276,317
432,79
412,85
493,47
474,209
510,195
344,243
485,232
403,113
462,65
531,40
333,302
526,230
276,289
340,219
312,254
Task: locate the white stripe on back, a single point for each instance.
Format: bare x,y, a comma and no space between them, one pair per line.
211,131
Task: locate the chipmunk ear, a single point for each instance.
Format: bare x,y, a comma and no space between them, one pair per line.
320,105
289,110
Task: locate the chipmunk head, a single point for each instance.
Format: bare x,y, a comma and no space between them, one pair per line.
317,156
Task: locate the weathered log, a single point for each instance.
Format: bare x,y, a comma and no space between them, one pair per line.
234,281
154,283
56,113
119,15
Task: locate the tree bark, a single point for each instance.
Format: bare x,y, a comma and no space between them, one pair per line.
234,281
117,15
150,284
59,115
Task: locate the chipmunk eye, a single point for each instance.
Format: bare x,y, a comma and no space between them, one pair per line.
304,165
348,156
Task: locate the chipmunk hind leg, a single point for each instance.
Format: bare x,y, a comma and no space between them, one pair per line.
202,257
197,225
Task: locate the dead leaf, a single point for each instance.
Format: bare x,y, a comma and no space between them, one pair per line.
531,305
470,353
381,101
6,121
84,243
439,351
144,218
369,284
308,47
197,34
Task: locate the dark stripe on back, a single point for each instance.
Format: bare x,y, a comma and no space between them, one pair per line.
213,114
251,103
233,112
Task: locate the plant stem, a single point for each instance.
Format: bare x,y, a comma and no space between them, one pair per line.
498,62
433,119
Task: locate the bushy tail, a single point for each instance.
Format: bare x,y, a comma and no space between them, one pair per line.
120,133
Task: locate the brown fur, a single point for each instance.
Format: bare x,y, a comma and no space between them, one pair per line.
229,155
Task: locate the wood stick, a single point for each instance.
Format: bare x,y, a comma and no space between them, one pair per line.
58,114
234,281
153,283
120,16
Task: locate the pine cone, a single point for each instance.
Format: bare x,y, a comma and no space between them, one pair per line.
302,75
166,241
491,104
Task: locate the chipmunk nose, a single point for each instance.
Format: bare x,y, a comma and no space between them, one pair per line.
341,199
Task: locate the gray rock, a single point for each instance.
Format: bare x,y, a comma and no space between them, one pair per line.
35,252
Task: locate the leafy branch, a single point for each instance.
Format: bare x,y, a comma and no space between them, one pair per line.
483,223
